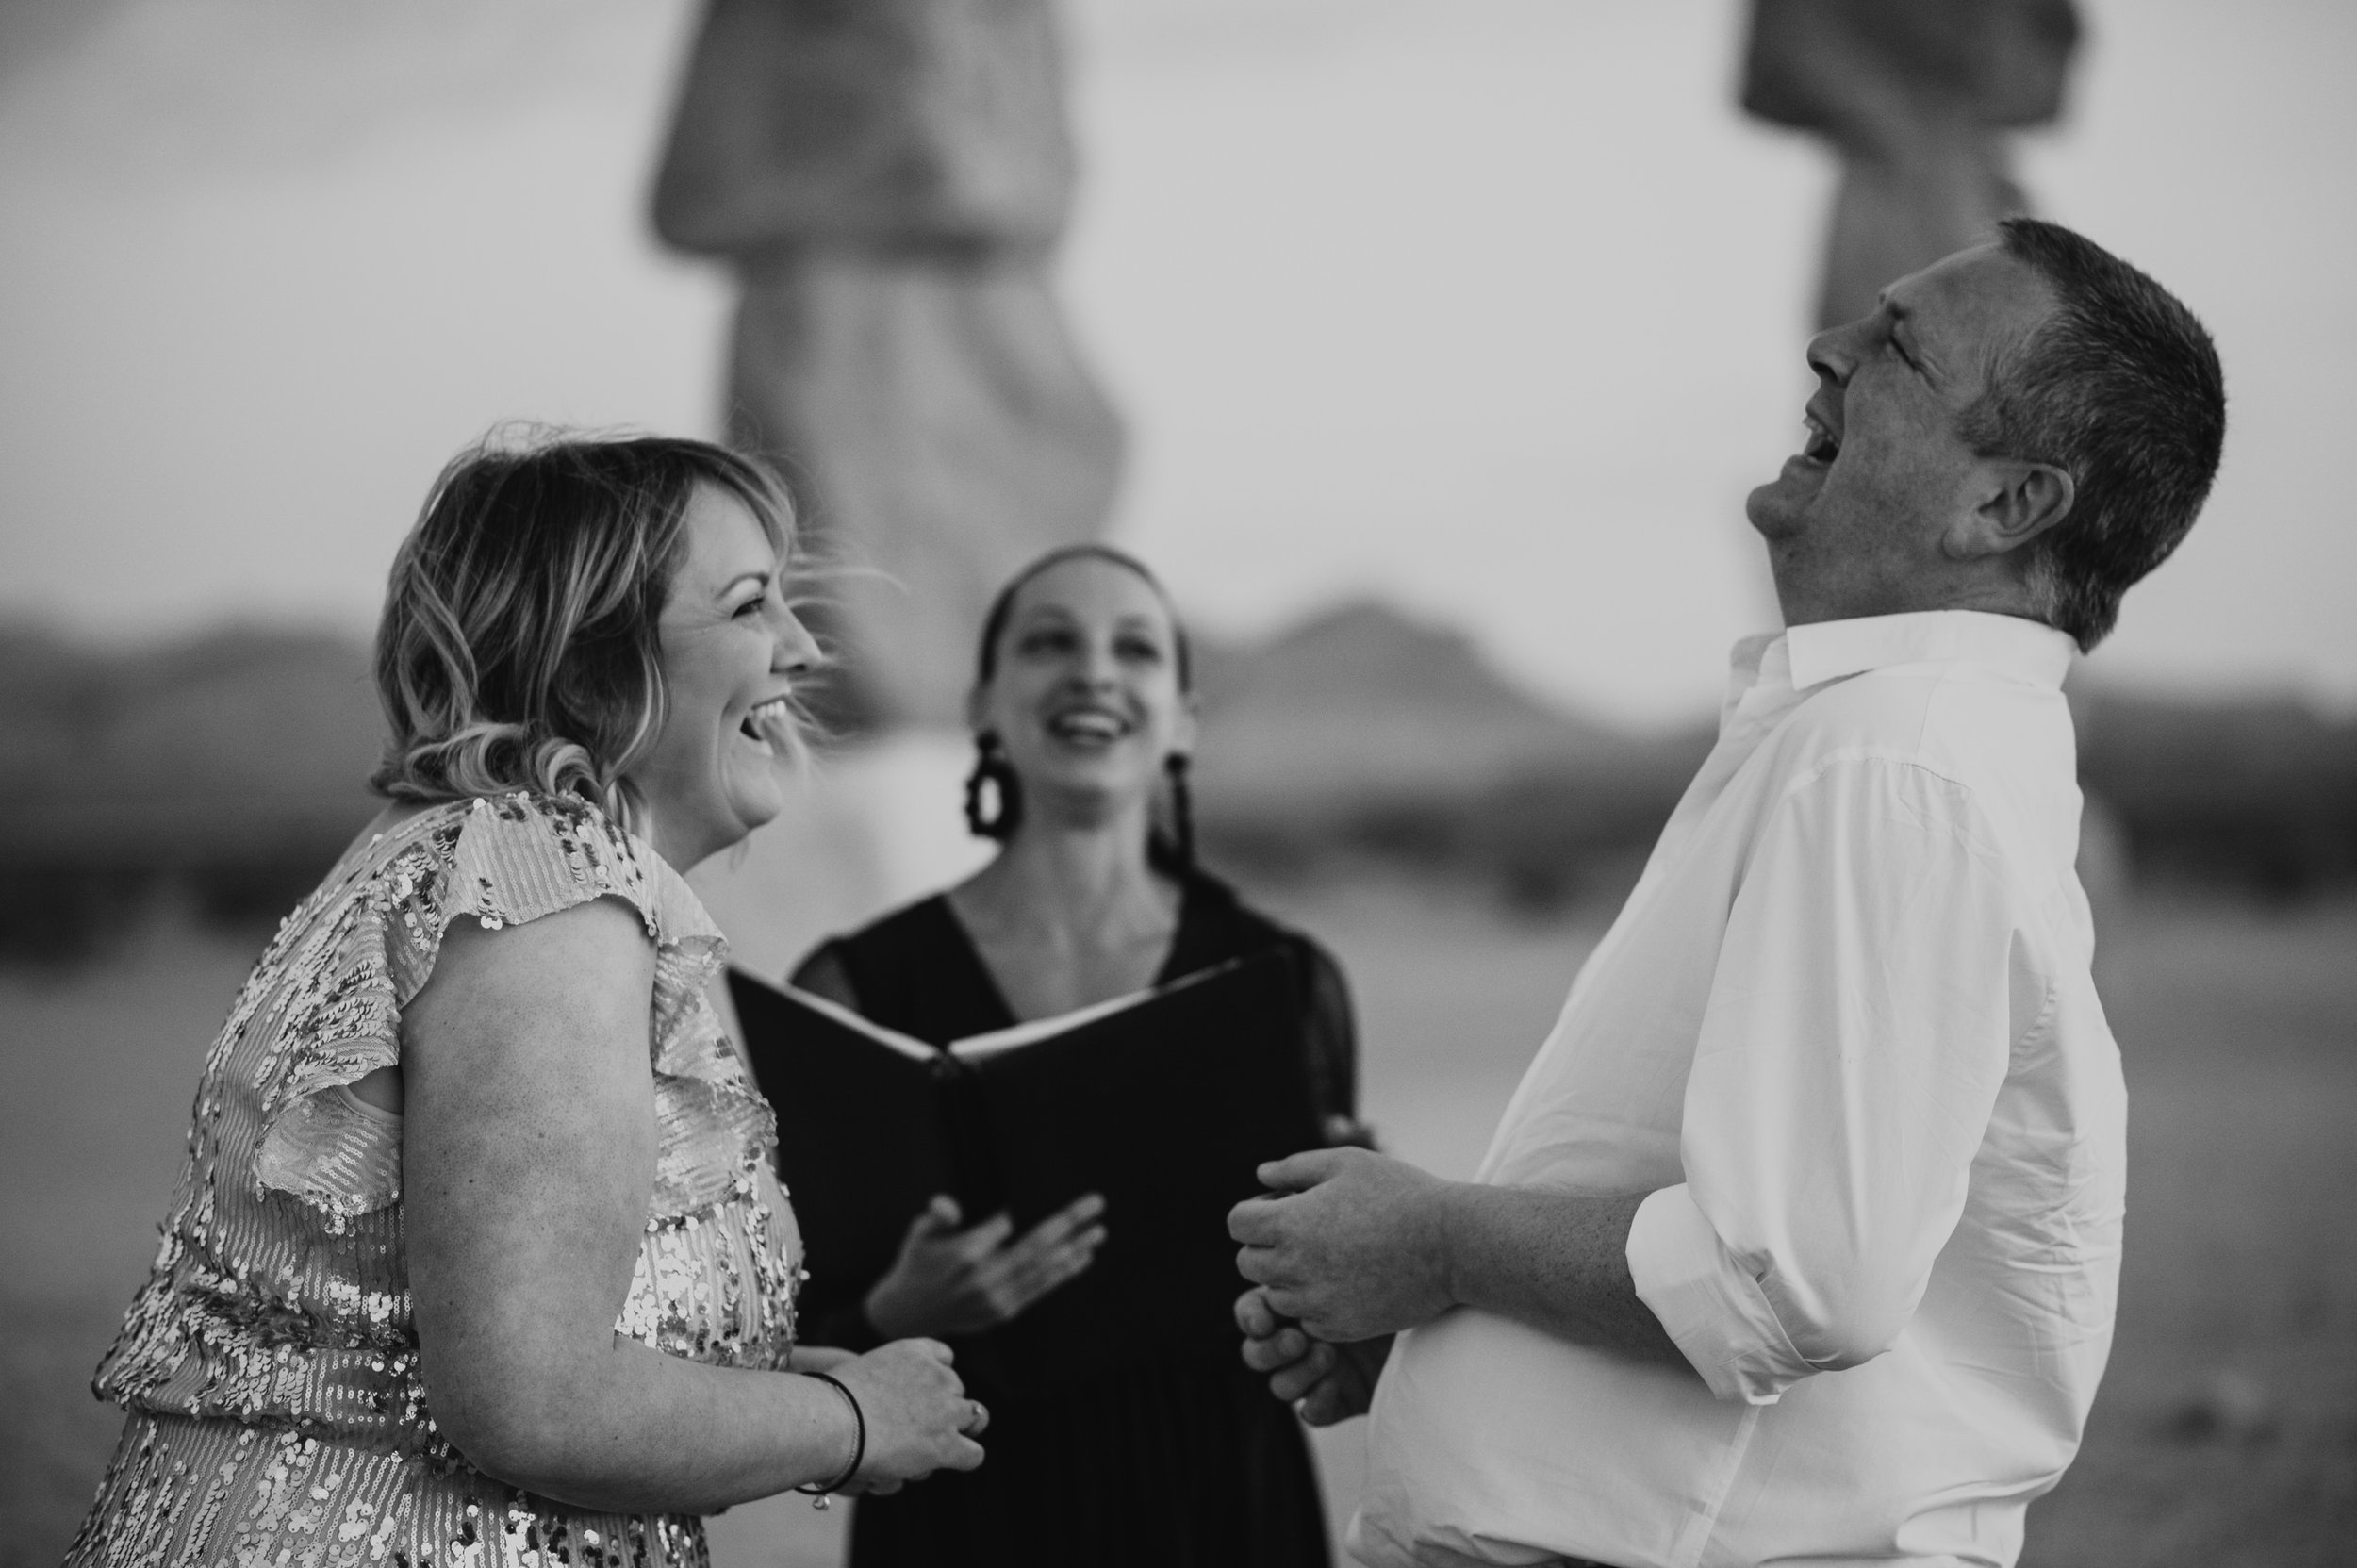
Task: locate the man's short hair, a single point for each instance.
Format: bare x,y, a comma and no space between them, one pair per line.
2121,388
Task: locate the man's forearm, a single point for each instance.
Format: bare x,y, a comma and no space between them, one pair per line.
1557,1261
1351,1245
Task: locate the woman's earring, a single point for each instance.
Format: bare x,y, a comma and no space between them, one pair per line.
993,778
1181,809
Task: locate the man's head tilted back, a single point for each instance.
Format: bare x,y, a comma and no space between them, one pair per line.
2026,427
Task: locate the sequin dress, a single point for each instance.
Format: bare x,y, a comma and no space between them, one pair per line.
270,1365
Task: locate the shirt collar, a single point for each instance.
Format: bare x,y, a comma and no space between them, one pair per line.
1829,650
1758,660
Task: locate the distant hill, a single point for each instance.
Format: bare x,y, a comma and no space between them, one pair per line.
1364,704
2258,795
233,766
1364,735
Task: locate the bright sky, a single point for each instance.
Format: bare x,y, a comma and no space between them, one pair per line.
1495,307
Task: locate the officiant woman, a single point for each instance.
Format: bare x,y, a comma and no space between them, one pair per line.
1083,722
478,1257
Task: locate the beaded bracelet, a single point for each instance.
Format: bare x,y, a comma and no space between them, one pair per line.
818,1495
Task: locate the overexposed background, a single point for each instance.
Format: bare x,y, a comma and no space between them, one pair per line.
1493,307
1490,308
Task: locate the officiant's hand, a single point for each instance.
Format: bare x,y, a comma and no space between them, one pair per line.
1324,1383
949,1282
1350,1244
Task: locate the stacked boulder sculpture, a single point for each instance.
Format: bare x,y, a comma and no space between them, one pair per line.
1917,97
888,179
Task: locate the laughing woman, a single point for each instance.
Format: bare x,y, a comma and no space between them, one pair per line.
478,1258
1083,722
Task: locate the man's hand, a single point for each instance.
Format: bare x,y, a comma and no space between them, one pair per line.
1350,1244
1324,1383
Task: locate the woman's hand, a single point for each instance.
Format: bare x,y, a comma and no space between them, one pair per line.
919,1417
952,1281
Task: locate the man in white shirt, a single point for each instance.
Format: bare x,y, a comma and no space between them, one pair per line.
1799,1241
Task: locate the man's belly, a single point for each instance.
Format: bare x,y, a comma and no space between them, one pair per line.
1493,1443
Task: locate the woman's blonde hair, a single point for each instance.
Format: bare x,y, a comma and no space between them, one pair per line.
520,647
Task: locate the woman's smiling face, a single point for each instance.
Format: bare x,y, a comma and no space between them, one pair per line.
1085,695
730,651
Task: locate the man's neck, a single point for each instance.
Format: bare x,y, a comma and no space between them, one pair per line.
1807,598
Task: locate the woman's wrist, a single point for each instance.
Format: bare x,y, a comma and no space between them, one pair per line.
858,1445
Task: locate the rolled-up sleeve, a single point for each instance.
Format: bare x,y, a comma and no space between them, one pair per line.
1857,1032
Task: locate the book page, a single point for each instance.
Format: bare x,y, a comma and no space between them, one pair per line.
976,1048
891,1039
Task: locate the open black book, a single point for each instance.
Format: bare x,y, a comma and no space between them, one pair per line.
1165,1102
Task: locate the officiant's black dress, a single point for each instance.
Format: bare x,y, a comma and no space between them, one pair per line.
1181,1459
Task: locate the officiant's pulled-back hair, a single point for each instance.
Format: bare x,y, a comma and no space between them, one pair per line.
2121,387
994,796
520,647
1003,606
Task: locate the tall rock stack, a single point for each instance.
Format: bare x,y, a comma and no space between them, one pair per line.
1915,96
889,179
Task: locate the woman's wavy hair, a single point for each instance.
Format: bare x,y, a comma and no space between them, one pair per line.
520,647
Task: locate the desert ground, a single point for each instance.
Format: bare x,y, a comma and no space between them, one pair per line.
2226,1436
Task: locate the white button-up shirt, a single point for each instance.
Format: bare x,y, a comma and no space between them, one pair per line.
1845,1034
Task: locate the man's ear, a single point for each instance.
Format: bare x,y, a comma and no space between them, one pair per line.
2023,501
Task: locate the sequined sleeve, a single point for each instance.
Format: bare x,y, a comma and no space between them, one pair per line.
279,1401
501,861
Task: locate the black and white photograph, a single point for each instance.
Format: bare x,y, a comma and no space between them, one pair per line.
1177,783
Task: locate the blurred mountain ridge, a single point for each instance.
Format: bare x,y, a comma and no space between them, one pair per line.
230,769
118,754
233,766
1364,701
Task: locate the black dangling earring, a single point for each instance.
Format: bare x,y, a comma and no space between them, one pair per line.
1181,811
992,774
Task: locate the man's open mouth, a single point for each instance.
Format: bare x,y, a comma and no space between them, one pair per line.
1822,445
